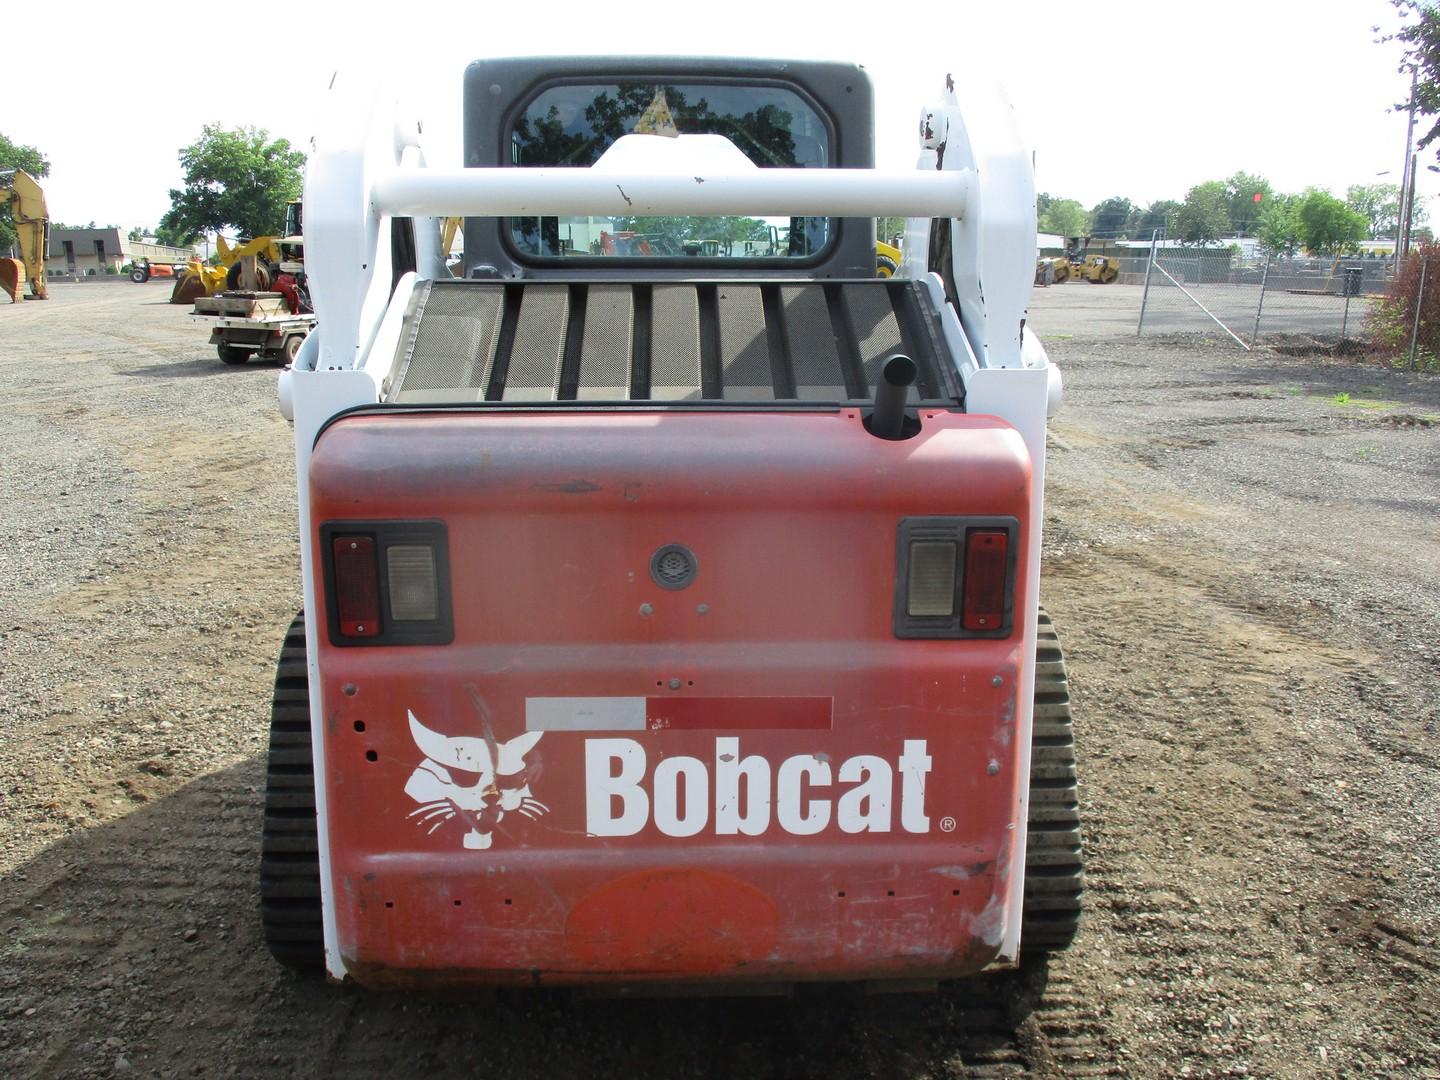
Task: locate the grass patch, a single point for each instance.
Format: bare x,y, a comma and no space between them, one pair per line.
1346,400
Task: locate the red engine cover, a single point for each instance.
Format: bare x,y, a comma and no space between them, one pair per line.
749,777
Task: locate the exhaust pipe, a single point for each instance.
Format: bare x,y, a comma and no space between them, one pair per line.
887,419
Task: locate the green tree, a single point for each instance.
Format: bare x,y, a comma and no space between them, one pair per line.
1111,218
1419,34
237,179
17,156
1378,204
1325,225
167,236
175,236
1277,232
1065,217
1160,214
1205,214
1241,204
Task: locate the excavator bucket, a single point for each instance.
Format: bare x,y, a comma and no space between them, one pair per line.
197,280
12,278
188,287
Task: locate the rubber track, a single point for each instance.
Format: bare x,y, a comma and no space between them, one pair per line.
289,850
1054,859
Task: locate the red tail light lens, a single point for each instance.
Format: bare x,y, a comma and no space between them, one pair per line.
987,562
357,585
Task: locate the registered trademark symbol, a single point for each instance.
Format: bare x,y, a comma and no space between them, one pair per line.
947,824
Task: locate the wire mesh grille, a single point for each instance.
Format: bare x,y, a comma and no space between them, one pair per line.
743,341
454,345
816,361
535,359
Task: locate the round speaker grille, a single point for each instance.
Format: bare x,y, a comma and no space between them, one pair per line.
673,566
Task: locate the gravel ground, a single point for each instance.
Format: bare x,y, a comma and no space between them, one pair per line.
1241,557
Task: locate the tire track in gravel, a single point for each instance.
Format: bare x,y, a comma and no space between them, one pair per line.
1244,836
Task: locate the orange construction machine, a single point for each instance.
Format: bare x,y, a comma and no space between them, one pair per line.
671,615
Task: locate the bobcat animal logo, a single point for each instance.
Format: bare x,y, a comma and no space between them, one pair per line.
473,781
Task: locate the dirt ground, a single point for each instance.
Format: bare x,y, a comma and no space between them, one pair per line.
1241,558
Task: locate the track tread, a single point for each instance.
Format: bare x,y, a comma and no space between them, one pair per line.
289,846
1055,858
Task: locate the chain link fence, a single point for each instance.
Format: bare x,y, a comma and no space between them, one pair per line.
1326,299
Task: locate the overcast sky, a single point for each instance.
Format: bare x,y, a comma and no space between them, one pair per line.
1117,98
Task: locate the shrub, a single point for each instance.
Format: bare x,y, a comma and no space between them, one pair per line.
1392,318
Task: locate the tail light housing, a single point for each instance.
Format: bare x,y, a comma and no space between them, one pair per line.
387,582
955,577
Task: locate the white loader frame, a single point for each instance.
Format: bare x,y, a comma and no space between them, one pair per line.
368,167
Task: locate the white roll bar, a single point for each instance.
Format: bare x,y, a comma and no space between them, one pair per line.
532,192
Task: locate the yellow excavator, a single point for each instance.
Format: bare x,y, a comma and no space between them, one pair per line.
32,225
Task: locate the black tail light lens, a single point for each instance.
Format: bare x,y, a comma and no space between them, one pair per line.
387,582
955,577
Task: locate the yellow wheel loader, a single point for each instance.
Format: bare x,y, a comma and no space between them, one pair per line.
887,259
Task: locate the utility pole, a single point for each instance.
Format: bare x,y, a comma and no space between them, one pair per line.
1410,200
1407,181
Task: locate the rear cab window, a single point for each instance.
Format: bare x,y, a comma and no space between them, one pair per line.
572,125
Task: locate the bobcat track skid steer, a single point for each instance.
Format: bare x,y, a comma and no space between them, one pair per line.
671,612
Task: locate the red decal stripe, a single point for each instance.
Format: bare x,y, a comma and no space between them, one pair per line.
737,713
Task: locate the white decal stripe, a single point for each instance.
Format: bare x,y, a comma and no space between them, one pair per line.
585,714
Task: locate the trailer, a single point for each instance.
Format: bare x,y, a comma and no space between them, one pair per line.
246,324
671,616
